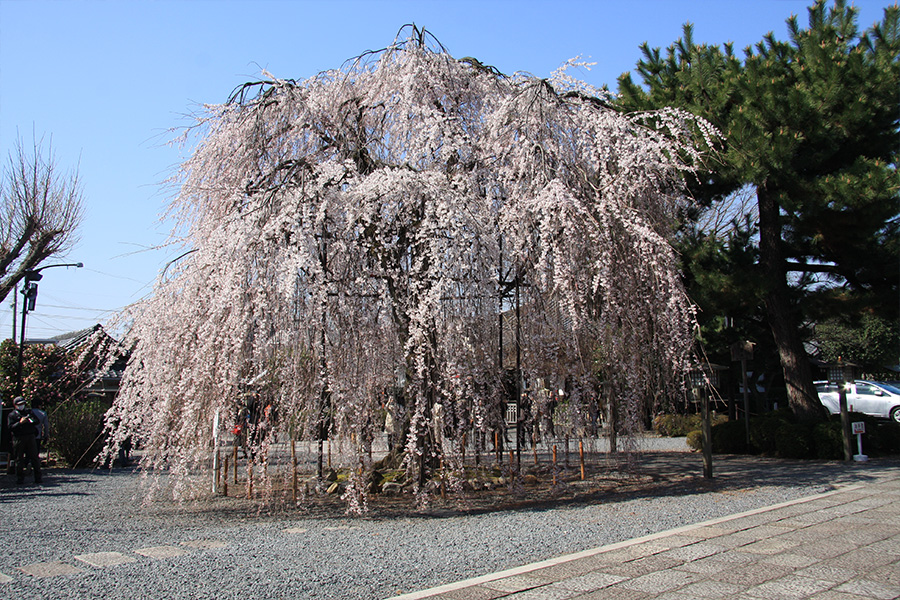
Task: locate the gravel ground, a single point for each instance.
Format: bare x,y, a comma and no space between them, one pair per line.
245,554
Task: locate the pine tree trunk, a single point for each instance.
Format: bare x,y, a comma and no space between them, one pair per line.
798,378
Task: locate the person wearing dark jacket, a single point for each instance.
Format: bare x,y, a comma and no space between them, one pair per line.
24,426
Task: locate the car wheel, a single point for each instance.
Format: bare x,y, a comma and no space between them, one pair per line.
895,414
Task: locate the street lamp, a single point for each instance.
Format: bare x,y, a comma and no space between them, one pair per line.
30,292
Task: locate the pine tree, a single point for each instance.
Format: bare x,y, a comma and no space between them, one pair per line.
811,124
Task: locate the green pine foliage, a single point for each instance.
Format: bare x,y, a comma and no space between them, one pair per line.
810,125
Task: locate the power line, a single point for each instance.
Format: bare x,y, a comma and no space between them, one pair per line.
74,308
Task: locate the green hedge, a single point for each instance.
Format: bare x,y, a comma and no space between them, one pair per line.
779,434
76,431
670,425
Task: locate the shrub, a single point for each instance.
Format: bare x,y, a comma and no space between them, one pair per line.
695,440
779,434
729,437
671,425
890,437
828,440
767,431
881,437
76,431
793,440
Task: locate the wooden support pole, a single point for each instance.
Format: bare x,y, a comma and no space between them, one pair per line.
234,456
554,465
706,435
294,470
845,419
581,454
217,465
250,480
479,442
225,477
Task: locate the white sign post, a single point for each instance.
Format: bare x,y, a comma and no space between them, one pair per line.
859,428
215,478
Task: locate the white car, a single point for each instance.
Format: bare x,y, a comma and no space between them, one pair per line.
867,397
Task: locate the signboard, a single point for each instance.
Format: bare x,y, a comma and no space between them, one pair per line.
512,413
859,427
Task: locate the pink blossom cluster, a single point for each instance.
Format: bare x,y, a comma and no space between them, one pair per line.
352,240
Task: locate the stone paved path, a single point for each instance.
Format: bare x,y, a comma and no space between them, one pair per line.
840,545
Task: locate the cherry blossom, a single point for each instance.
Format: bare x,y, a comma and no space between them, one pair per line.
351,241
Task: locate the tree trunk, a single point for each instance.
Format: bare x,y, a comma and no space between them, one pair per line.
798,379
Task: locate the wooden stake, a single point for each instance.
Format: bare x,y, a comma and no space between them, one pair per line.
250,480
225,478
235,464
294,473
581,454
534,444
218,468
554,465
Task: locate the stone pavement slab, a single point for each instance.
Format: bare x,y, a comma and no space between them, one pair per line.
295,530
105,559
159,552
204,544
49,569
839,545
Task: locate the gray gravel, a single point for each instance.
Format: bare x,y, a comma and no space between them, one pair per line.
82,512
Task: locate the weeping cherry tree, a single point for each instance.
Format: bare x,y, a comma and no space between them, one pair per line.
351,241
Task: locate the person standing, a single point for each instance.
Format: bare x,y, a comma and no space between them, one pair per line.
24,426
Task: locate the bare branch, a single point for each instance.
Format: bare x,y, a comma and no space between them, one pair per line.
41,208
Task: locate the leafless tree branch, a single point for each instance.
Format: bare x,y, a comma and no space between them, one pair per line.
41,208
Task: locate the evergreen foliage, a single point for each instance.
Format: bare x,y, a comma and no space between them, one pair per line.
870,341
811,125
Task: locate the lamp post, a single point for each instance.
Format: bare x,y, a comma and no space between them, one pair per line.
29,290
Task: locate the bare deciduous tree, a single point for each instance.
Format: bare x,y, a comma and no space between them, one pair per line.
41,208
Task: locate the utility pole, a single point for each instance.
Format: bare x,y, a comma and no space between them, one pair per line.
30,291
15,307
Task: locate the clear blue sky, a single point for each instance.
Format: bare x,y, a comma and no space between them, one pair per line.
108,80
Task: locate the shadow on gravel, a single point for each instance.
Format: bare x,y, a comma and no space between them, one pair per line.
651,474
672,474
56,482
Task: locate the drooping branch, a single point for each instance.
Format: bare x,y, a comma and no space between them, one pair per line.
345,240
